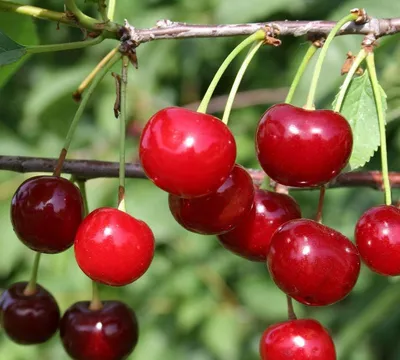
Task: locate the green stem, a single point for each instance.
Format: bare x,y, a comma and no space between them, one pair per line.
62,47
86,98
82,188
31,287
300,71
86,21
343,89
318,66
258,35
231,98
290,308
111,9
96,303
382,131
122,119
103,9
373,314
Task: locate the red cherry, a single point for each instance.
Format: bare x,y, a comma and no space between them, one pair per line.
219,211
298,147
110,333
377,237
313,263
297,340
113,248
46,212
251,238
187,153
28,319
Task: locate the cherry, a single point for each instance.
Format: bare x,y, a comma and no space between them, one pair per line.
313,263
187,153
252,236
28,319
219,211
377,236
112,247
46,212
298,147
110,333
304,339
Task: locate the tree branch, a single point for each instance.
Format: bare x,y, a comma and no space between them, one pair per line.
92,169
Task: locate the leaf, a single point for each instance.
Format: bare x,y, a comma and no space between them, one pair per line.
23,30
360,111
10,51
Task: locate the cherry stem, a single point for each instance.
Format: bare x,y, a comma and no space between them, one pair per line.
300,71
231,98
318,66
291,313
343,89
382,131
96,303
75,121
82,188
258,35
318,215
31,287
111,10
122,119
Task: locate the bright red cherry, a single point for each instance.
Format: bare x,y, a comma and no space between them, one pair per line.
219,211
187,153
377,237
28,319
304,339
251,238
313,263
110,333
46,212
298,147
112,247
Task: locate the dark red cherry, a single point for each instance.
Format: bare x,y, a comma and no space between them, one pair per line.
28,319
112,247
187,153
219,211
377,237
251,238
298,147
304,339
46,212
110,333
313,263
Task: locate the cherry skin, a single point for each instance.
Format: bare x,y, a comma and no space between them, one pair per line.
46,212
377,236
313,263
28,319
304,339
110,333
219,211
187,153
113,248
251,238
298,147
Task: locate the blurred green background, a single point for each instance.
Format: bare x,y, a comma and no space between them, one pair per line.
197,301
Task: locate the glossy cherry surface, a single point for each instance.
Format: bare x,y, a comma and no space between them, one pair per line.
112,247
46,212
304,339
251,238
219,211
110,333
377,236
187,153
28,319
298,147
313,263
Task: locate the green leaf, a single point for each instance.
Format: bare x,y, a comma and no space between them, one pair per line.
22,30
360,111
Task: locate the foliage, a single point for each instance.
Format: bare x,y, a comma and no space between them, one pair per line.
197,301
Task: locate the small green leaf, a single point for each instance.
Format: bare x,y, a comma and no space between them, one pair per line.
10,51
360,111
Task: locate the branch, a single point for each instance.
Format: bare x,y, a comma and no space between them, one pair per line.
92,169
